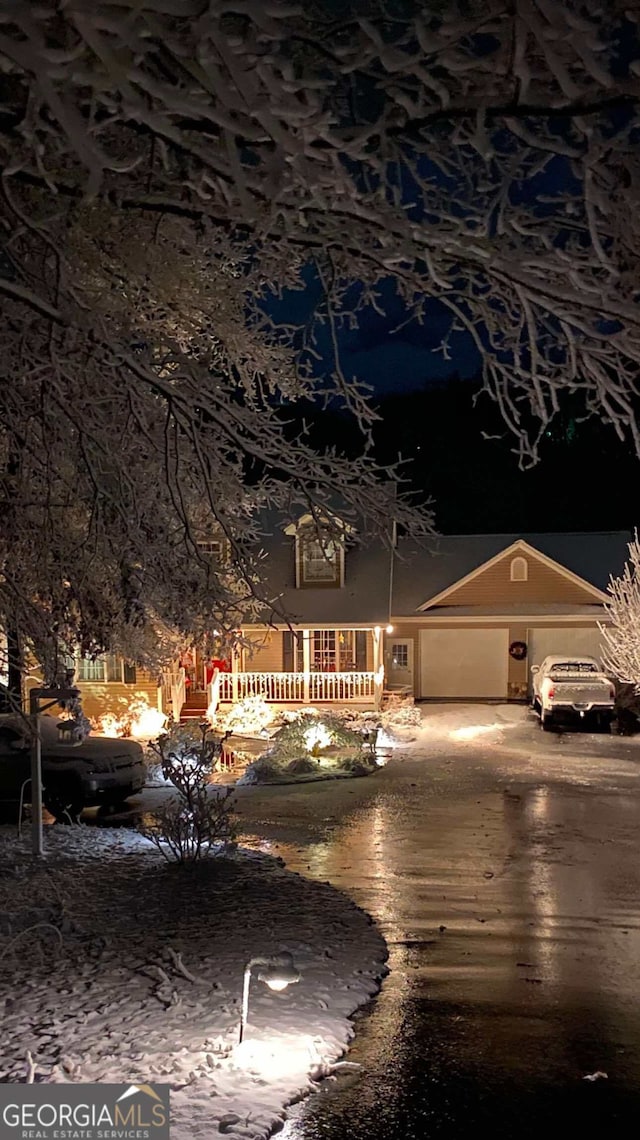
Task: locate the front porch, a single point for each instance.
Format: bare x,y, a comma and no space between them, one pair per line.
289,689
319,667
297,688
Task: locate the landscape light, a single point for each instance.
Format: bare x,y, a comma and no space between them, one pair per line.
277,973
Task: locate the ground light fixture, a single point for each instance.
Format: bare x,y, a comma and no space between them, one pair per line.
276,972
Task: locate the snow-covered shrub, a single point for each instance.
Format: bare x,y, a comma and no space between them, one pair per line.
359,765
187,746
250,715
303,766
265,770
196,822
401,716
312,735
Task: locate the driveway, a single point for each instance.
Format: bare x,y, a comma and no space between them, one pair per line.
503,867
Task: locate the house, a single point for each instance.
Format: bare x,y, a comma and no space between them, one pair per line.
455,617
473,613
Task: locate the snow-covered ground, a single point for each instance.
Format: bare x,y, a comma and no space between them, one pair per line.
116,966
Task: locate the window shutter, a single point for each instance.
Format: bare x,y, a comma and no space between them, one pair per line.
287,651
361,650
129,674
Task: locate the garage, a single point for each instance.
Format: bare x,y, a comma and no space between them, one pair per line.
574,642
464,663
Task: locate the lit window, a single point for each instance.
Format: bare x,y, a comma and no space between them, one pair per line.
88,670
101,670
320,561
519,570
216,548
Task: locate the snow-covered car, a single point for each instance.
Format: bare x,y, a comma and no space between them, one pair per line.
100,770
570,688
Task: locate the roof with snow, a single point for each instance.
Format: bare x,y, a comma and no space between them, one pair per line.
422,570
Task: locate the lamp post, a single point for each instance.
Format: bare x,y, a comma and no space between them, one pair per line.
53,696
276,972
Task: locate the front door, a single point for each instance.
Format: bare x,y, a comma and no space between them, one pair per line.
399,663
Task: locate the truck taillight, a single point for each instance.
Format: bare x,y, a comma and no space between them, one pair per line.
551,692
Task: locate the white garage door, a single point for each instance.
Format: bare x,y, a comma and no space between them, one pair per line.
464,662
571,641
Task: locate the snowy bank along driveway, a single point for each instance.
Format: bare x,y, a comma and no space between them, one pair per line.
117,967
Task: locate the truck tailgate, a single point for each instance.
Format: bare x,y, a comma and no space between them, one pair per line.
581,693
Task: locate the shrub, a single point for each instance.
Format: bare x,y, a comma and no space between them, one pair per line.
264,770
304,736
627,710
196,822
250,715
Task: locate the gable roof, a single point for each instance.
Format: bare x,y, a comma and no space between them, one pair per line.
518,548
429,572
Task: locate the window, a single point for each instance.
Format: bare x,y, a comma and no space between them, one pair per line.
323,650
103,670
400,655
88,670
519,570
330,651
320,561
216,548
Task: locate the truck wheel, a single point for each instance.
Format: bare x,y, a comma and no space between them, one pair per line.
545,720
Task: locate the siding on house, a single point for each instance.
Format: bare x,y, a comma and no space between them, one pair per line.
494,586
265,654
114,697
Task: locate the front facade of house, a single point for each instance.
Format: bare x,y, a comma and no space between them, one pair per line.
458,618
478,635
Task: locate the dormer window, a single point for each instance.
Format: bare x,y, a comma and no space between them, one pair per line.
215,548
519,569
319,551
320,559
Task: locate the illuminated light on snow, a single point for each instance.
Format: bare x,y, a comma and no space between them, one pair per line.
111,725
149,724
384,742
140,720
473,731
277,1057
317,737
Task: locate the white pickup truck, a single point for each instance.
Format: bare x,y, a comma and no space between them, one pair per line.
568,687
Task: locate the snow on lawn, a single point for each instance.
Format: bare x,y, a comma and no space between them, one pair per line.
143,980
462,723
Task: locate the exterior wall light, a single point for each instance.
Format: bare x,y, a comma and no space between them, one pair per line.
389,629
277,973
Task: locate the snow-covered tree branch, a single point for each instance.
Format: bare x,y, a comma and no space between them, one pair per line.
621,638
169,166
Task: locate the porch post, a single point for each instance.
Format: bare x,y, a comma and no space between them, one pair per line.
234,674
306,662
377,641
378,668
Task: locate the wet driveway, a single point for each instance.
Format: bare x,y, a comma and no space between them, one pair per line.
505,875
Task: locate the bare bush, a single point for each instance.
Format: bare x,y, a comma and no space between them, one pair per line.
199,820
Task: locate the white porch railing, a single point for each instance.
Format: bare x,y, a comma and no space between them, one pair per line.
174,692
301,688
